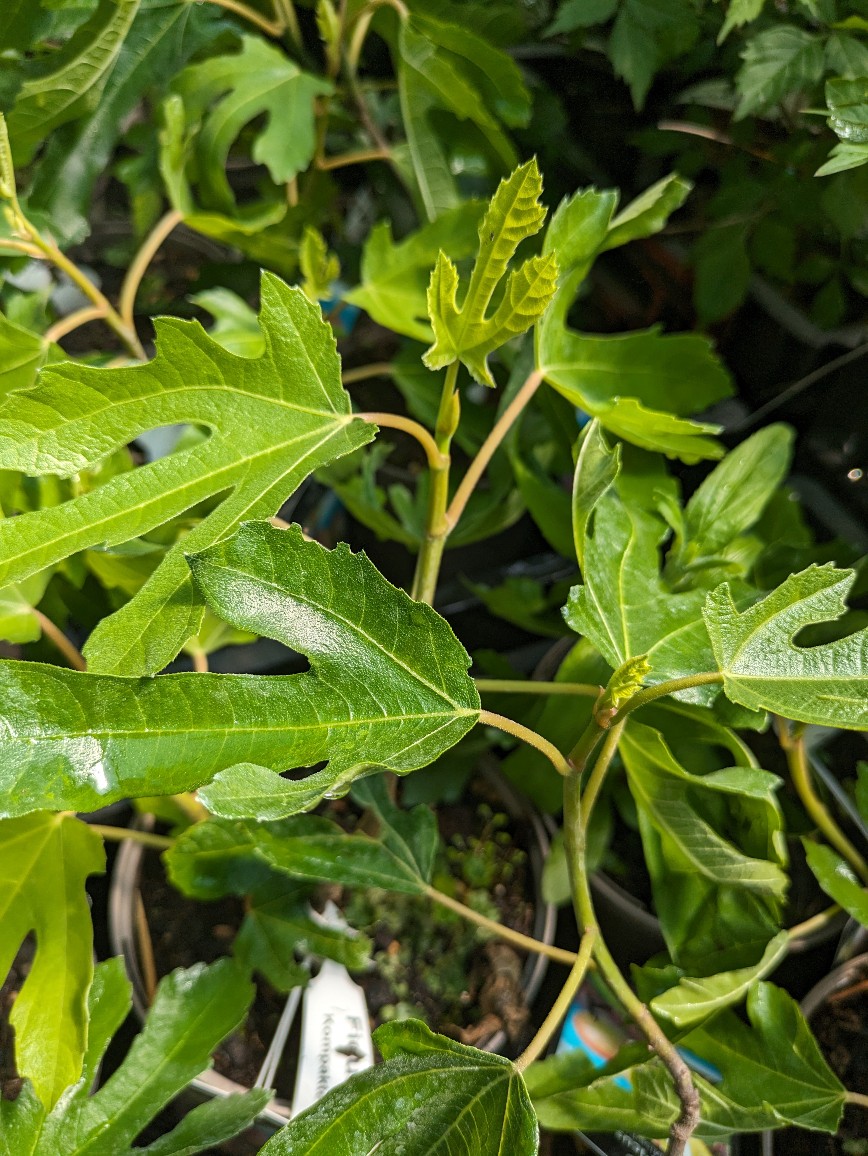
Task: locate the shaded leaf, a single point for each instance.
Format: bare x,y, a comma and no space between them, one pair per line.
319,267
465,332
394,276
573,14
18,623
273,420
411,835
236,326
739,13
693,1000
44,862
389,687
647,34
777,61
837,880
648,213
847,101
763,668
431,1096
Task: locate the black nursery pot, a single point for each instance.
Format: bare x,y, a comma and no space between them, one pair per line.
126,910
837,1010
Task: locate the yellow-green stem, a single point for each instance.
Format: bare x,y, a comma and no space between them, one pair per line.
598,774
269,27
526,942
56,636
141,261
73,321
650,693
530,686
561,1006
436,459
434,542
358,157
120,834
797,758
551,752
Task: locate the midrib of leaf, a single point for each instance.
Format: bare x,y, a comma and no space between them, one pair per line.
206,477
354,627
398,1079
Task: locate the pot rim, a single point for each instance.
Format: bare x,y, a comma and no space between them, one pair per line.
122,905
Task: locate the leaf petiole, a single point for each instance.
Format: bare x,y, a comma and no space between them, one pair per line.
509,726
120,834
561,1006
530,686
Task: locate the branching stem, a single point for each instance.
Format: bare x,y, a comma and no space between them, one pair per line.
551,752
526,942
433,544
561,1006
436,459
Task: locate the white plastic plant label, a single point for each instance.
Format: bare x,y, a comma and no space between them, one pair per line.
335,1035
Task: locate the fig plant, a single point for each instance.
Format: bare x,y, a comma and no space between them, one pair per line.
696,623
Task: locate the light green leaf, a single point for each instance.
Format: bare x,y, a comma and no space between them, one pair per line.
273,420
648,34
733,497
245,789
843,156
236,325
395,276
157,45
778,61
635,383
220,857
848,107
596,469
465,333
388,688
739,13
432,1096
846,56
70,82
192,1012
693,1000
18,623
22,353
225,93
837,880
772,1073
411,835
763,668
44,861
443,66
648,213
319,267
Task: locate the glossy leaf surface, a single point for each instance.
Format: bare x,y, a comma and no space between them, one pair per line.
431,1097
44,862
376,696
764,668
272,420
838,880
464,332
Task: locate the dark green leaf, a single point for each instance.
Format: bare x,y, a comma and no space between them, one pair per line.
44,861
466,333
837,880
573,14
431,1097
410,835
647,34
723,272
739,13
848,105
763,668
273,420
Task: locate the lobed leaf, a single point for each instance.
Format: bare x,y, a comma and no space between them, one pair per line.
465,332
272,419
44,862
777,61
763,668
431,1096
388,687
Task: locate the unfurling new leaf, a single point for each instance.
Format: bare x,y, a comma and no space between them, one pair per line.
466,333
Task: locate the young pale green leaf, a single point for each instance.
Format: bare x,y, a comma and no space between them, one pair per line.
395,276
431,1097
772,1073
18,622
388,688
693,1000
225,93
443,66
70,84
732,498
648,213
778,61
639,385
273,420
278,925
155,48
410,835
596,469
842,157
192,1012
837,880
763,668
847,101
236,326
319,268
44,861
466,333
221,856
